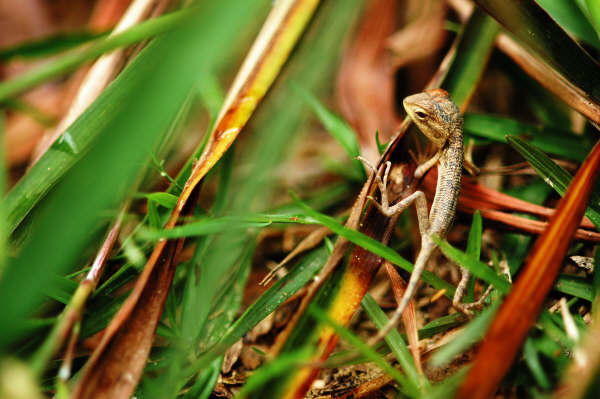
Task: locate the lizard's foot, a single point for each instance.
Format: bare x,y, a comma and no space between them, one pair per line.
468,163
381,183
467,308
384,206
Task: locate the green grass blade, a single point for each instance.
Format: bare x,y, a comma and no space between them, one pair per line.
576,286
204,385
164,199
222,224
476,267
69,62
406,385
593,8
49,45
335,125
555,141
42,117
474,47
530,354
3,185
393,340
571,18
472,333
474,251
553,174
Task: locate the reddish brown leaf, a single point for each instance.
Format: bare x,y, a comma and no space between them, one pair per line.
492,204
409,316
365,85
522,306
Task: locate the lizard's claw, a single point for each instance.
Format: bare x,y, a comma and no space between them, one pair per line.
367,164
468,163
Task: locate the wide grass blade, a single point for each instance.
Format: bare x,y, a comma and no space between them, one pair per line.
69,62
574,75
124,142
556,176
564,144
48,45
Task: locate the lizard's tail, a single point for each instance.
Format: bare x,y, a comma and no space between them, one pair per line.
427,248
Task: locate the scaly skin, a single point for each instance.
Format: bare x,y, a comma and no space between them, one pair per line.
439,119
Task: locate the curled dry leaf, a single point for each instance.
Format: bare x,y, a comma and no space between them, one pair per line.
231,356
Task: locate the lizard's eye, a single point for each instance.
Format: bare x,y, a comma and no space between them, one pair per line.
420,114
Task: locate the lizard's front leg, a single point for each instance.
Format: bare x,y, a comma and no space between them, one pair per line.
425,166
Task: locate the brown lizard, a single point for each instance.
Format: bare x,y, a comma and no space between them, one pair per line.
439,119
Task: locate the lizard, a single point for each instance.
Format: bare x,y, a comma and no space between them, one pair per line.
439,119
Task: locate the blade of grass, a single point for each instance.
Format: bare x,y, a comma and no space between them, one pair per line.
576,286
530,354
478,268
571,18
474,46
3,185
529,23
407,387
49,45
474,251
210,226
335,125
556,176
469,335
393,340
594,10
69,62
555,141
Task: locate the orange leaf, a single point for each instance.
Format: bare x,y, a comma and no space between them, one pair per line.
522,306
116,365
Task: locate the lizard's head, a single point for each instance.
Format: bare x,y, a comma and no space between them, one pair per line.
434,113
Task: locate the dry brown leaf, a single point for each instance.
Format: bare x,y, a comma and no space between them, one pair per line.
231,356
365,84
420,38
